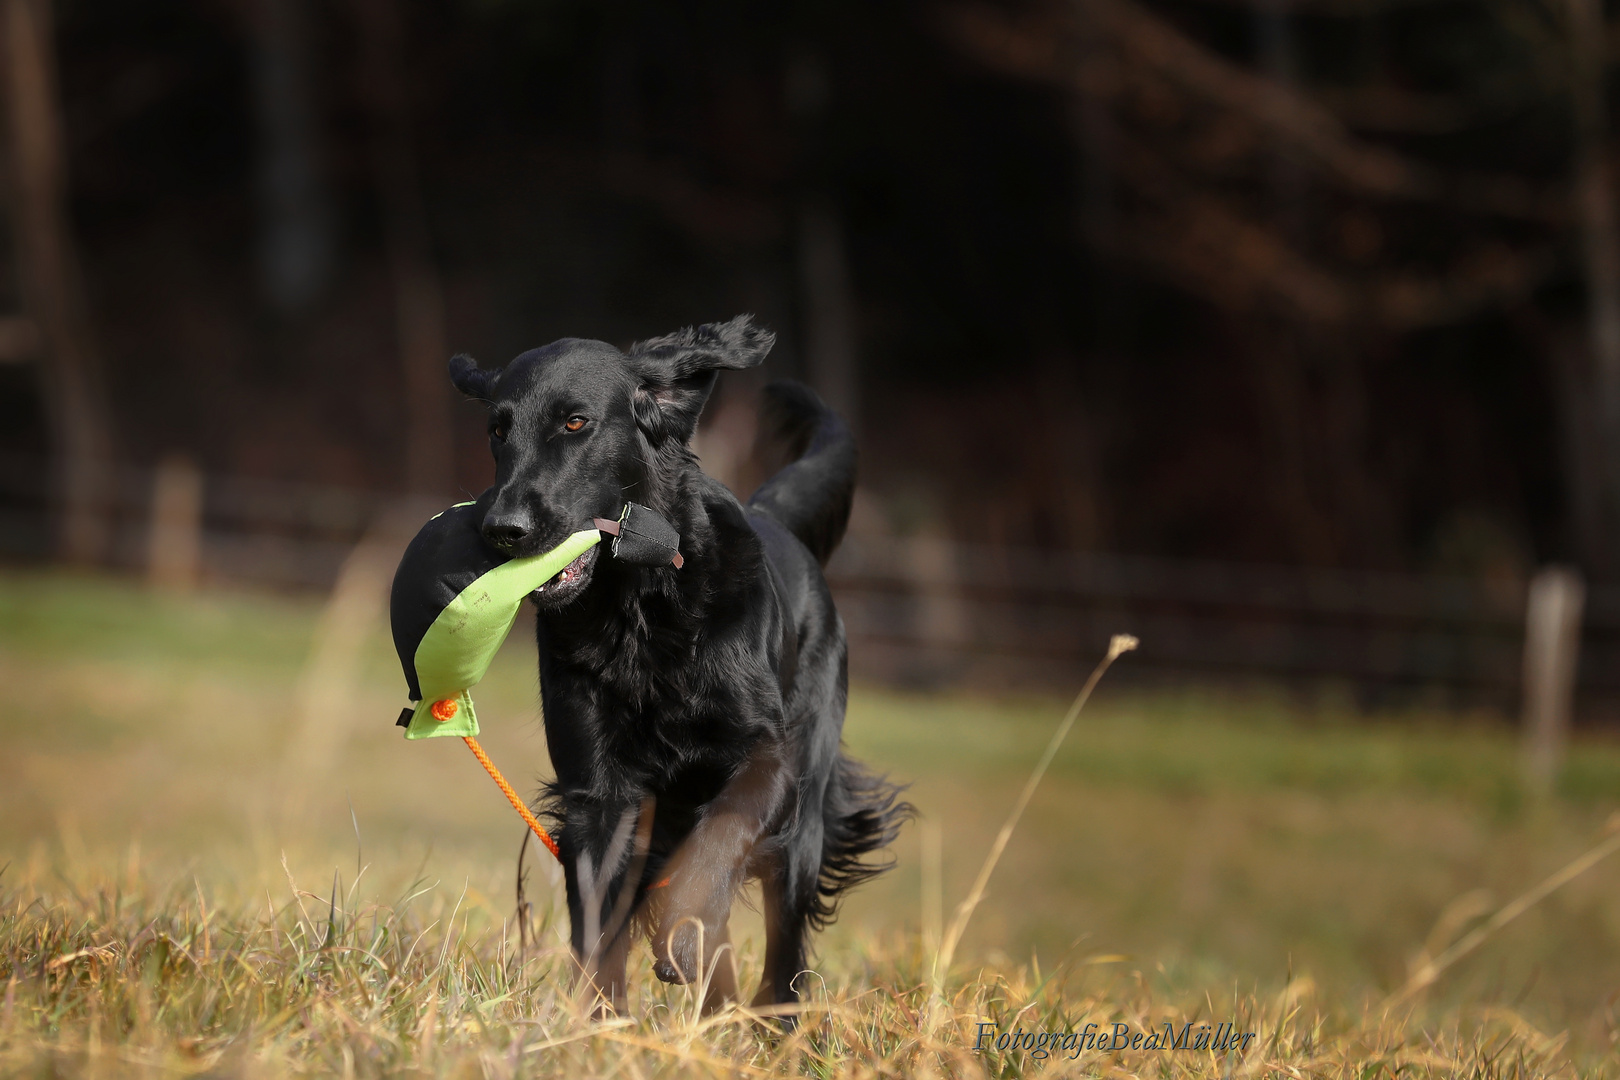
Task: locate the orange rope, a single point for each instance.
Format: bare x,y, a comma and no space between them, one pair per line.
517,803
511,796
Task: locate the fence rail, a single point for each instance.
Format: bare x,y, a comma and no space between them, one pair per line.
935,611
930,612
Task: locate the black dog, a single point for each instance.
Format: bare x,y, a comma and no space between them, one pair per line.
712,694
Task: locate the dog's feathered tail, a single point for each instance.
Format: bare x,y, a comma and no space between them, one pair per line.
811,495
862,814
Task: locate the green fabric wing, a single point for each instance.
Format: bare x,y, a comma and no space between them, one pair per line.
458,648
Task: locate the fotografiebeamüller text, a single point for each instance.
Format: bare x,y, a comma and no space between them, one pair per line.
1118,1036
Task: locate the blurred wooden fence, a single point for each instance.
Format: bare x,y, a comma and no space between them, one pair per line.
927,612
252,531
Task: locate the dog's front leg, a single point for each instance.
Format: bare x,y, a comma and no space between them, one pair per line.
708,868
594,856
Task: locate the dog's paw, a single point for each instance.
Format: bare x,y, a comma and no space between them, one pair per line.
691,922
678,953
668,972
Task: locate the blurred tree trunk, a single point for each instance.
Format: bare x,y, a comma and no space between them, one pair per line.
52,289
1581,444
1279,62
1594,204
1290,437
829,309
1303,459
418,292
296,242
1093,131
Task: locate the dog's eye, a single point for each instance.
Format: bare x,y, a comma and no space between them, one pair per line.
574,423
498,432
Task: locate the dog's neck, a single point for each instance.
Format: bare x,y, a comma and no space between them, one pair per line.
667,485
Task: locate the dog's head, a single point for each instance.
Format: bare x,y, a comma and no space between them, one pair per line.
578,427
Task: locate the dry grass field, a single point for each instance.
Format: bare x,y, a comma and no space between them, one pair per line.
220,858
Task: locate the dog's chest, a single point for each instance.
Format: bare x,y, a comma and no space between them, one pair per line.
693,707
652,694
648,729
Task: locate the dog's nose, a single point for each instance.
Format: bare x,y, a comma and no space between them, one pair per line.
505,533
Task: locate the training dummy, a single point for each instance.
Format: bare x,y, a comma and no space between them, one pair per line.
454,601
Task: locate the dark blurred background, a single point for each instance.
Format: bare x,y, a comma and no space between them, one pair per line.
1285,332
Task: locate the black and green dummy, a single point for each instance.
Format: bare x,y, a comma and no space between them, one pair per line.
455,599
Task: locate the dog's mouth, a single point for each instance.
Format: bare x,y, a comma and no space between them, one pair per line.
568,582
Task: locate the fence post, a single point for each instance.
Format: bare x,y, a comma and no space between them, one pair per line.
174,533
1552,644
941,617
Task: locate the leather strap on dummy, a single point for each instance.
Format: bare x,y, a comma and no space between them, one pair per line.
642,538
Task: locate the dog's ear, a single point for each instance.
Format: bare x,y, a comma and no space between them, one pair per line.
472,380
676,372
734,344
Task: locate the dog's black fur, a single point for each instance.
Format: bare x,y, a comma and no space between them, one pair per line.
715,690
